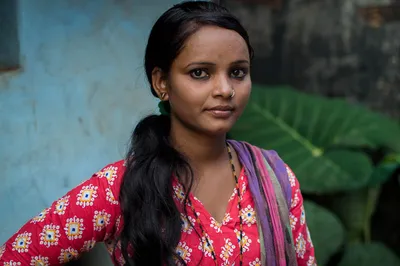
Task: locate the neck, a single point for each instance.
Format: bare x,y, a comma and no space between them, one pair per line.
201,150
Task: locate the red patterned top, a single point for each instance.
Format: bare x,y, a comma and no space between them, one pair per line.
90,213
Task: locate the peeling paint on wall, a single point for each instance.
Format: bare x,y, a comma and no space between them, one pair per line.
73,107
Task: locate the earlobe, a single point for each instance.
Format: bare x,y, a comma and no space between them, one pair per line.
159,83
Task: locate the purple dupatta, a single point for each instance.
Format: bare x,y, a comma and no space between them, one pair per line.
271,191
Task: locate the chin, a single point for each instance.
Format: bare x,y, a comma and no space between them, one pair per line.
218,129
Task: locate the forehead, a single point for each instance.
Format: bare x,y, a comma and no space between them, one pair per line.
214,44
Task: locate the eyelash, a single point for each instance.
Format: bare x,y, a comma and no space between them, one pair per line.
203,70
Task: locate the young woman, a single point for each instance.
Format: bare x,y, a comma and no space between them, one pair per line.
184,195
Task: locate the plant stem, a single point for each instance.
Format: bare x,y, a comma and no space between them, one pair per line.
372,198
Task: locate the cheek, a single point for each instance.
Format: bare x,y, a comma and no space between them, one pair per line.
186,97
244,95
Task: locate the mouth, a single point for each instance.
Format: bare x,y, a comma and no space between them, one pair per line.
221,111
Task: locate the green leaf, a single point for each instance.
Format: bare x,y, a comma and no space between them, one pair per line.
355,210
382,173
384,170
303,129
392,158
371,254
326,231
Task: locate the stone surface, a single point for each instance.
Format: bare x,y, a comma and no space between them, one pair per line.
326,47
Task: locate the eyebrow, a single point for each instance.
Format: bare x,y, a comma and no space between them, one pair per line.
213,64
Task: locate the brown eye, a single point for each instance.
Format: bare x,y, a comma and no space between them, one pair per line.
199,74
238,73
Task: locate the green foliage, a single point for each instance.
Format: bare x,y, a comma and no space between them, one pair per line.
371,254
331,145
355,209
318,220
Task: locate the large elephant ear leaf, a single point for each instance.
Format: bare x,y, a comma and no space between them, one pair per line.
370,254
306,130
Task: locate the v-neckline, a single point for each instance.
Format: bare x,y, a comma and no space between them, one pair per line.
232,199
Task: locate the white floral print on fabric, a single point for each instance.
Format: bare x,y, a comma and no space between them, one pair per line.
293,221
234,193
22,242
110,197
205,247
39,261
303,216
74,228
248,216
292,178
88,245
68,255
187,224
50,235
61,205
311,261
256,262
246,241
118,223
215,225
295,199
12,263
227,219
184,251
300,245
100,220
86,196
110,173
40,217
227,250
243,189
179,193
199,201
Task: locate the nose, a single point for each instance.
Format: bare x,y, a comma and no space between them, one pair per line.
222,86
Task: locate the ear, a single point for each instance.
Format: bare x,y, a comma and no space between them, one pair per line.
159,83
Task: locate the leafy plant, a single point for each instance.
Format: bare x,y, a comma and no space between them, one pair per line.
371,254
334,147
318,220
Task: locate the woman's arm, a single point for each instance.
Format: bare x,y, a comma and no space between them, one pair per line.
72,225
301,236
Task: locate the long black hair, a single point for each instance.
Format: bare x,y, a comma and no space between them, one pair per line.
152,221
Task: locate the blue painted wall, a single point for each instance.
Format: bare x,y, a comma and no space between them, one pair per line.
71,108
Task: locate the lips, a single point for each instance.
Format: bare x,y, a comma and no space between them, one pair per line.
221,111
221,108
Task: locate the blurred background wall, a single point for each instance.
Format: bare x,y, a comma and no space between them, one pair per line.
71,106
343,48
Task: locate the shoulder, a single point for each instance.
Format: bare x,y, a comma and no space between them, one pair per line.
114,169
112,175
249,146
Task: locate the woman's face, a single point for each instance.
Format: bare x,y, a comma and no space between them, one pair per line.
213,65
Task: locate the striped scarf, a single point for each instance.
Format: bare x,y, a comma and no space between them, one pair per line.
271,191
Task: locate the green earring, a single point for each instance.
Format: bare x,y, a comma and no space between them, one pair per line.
163,108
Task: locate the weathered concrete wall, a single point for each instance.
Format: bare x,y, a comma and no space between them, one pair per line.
326,47
71,108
